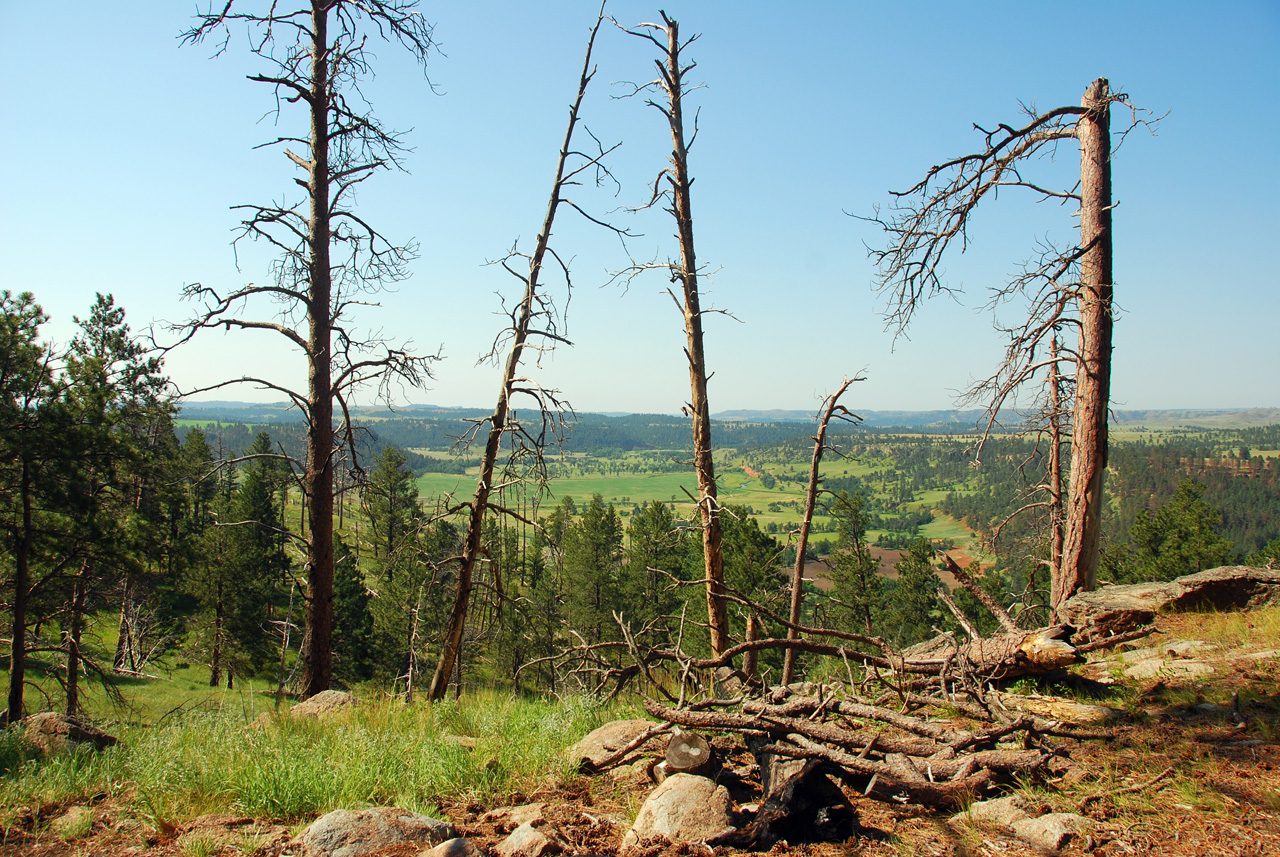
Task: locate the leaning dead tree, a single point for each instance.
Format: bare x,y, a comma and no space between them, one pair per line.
672,189
831,409
1069,287
314,56
536,326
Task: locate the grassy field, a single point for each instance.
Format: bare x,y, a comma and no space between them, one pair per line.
616,481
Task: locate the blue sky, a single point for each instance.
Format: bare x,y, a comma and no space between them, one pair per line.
123,153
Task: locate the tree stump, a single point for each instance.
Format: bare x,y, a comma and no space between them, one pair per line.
688,753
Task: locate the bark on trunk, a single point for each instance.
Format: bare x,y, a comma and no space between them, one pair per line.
73,640
700,409
124,633
1056,522
1093,376
317,648
215,658
21,593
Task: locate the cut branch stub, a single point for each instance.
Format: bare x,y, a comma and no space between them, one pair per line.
689,753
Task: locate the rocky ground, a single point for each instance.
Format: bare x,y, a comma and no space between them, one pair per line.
1192,767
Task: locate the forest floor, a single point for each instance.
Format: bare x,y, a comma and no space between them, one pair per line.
1179,776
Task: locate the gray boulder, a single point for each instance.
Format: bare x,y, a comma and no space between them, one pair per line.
685,808
527,841
51,733
998,812
1049,832
352,833
589,753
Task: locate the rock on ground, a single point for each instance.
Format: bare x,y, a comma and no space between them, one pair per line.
527,841
352,833
999,812
73,823
456,847
1049,832
50,732
685,808
592,750
323,704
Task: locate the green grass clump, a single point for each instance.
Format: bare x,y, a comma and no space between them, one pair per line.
382,753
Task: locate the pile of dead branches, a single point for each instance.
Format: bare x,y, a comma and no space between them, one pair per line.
922,749
924,725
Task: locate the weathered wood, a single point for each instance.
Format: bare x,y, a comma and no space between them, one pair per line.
689,753
1080,551
1008,655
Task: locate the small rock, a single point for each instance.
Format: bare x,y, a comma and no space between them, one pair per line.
527,841
1050,832
74,823
348,833
324,704
52,733
685,808
727,682
1000,812
511,817
592,750
456,847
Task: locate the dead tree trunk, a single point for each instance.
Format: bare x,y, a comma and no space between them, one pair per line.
1057,522
533,317
316,53
317,480
802,546
74,632
21,596
1062,286
671,82
1093,377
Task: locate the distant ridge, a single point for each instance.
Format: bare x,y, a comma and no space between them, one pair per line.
949,420
871,419
1170,418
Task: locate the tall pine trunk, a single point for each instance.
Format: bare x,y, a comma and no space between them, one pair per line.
21,594
700,409
317,645
1080,552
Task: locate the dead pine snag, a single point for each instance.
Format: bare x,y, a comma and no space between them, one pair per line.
1061,287
536,326
330,260
831,409
672,187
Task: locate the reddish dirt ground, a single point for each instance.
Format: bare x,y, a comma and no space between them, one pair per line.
1219,795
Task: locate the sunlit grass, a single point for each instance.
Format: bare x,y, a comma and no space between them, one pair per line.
382,753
